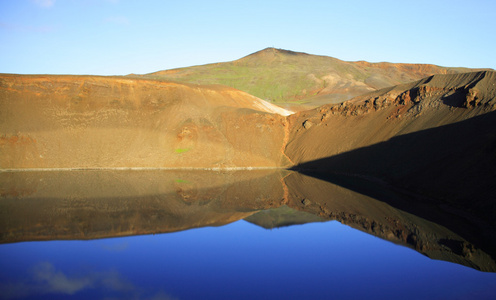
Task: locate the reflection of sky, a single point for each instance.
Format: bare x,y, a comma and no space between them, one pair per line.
240,260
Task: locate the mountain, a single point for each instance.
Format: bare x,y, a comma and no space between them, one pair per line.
290,78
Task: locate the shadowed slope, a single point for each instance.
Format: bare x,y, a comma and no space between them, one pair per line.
454,163
378,116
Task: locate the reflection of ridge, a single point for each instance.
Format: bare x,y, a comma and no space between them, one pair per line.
451,166
100,204
370,211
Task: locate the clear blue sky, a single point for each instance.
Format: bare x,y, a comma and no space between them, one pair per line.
106,37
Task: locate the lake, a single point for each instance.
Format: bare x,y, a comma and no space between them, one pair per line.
260,234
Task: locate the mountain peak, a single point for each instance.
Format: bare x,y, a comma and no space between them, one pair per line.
271,53
280,51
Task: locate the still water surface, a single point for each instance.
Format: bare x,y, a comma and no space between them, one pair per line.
228,236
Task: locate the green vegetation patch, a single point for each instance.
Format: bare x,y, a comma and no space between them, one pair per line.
181,150
181,181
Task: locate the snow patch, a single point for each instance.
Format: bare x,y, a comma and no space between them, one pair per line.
269,107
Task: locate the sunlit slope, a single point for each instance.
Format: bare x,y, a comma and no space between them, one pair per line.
284,77
115,122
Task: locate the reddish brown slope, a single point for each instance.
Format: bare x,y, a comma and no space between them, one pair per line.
105,122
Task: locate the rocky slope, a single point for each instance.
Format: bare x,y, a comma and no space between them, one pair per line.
290,78
112,122
375,117
434,137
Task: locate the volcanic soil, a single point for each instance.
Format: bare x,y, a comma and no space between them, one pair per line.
84,122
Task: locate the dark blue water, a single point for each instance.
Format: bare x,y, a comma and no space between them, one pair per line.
236,261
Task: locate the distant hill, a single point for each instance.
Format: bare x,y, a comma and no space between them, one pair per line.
289,78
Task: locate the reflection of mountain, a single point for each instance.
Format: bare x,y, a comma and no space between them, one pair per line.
395,217
282,216
98,204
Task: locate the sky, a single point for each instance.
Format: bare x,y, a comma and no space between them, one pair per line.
119,37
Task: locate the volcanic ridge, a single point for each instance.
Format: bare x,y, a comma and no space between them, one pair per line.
83,122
